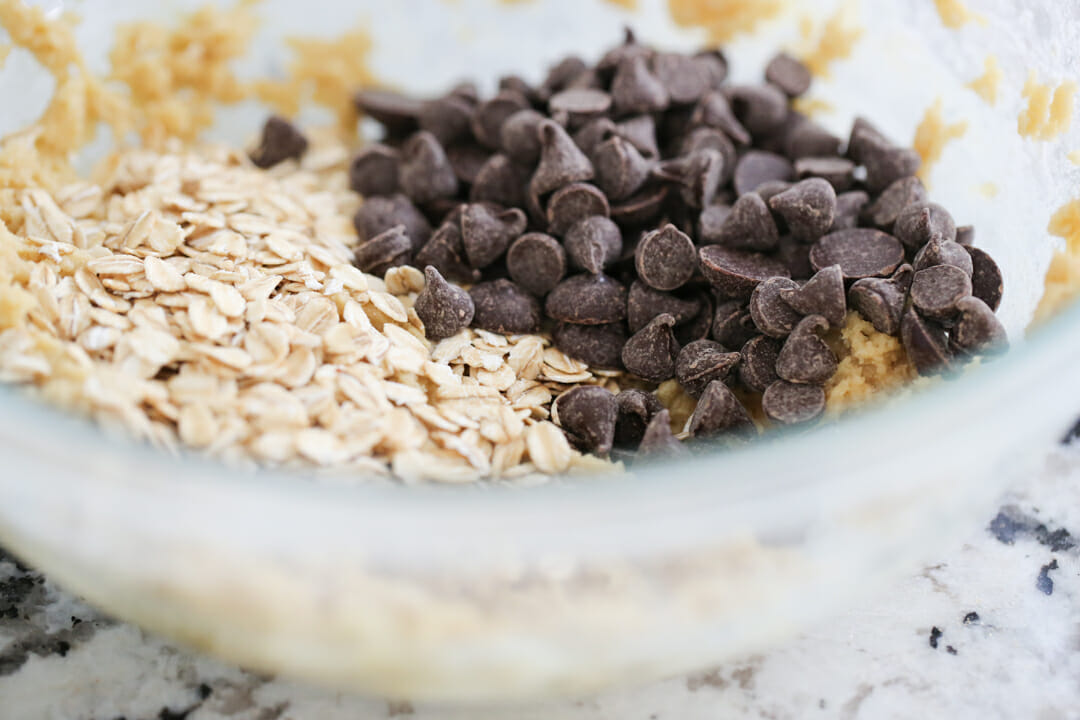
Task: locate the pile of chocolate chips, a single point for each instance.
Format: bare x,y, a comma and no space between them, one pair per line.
654,218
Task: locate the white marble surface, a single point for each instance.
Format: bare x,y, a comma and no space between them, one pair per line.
1020,658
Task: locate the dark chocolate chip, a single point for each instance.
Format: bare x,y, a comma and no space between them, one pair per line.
808,139
488,119
860,252
788,74
796,256
378,214
789,403
699,326
761,109
720,412
561,75
849,207
503,306
594,132
757,364
936,290
635,89
467,159
446,253
640,131
519,85
658,440
573,203
519,136
735,273
701,362
487,231
536,262
716,65
965,235
447,118
837,171
398,113
805,357
711,223
697,174
388,249
944,252
620,168
977,329
598,345
425,174
500,181
650,352
771,314
637,408
919,222
588,412
883,212
880,301
587,300
665,259
445,309
642,208
644,303
374,170
629,48
757,167
807,207
593,243
580,104
686,79
886,163
732,325
823,294
863,135
561,161
986,281
707,138
714,111
747,226
925,343
280,140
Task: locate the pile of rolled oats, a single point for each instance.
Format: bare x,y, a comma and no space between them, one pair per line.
200,302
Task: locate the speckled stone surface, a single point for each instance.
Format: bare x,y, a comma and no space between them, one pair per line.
990,630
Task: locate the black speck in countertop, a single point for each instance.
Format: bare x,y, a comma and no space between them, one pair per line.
971,618
1012,523
935,633
1044,582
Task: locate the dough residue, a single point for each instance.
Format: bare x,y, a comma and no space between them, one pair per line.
932,135
955,14
1062,282
838,37
872,364
986,85
723,19
1049,110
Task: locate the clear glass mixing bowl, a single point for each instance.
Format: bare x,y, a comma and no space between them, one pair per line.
488,592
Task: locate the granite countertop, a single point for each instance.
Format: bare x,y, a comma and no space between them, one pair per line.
989,630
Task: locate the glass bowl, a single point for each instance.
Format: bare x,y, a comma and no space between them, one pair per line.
486,592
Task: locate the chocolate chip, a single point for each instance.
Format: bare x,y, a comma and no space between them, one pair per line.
620,168
796,256
650,352
487,231
904,192
640,131
925,343
735,273
699,326
634,89
374,170
789,403
863,135
561,161
536,262
561,75
808,139
880,301
501,182
665,259
644,303
886,163
445,309
720,412
658,439
593,243
588,413
706,138
598,345
629,48
711,222
280,141
823,294
977,329
503,306
761,109
594,132
837,171
447,118
519,136
860,252
768,190
573,203
714,111
701,362
698,174
715,64
587,300
965,235
637,408
936,290
378,214
849,207
944,252
808,207
732,325
519,85
445,252
805,357
757,364
919,222
580,104
771,314
488,118
425,174
986,281
467,159
757,167
397,113
747,226
788,74
686,80
388,249
642,208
